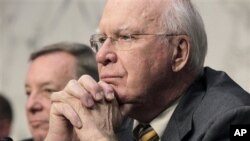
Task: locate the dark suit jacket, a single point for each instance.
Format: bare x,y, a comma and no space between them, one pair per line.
211,104
29,139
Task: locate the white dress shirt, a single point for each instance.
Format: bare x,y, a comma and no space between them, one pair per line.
160,123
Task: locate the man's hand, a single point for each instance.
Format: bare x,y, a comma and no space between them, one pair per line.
86,108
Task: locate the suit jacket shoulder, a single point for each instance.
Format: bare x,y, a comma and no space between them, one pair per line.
206,111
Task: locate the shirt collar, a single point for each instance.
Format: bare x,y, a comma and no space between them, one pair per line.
160,123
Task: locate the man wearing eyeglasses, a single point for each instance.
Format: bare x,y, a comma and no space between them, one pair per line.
150,57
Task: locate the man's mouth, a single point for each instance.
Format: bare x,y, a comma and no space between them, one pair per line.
110,79
37,123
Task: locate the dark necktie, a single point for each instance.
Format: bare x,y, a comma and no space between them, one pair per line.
145,133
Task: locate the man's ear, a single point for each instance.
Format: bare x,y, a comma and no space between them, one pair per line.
181,52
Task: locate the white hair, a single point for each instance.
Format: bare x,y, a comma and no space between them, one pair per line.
181,17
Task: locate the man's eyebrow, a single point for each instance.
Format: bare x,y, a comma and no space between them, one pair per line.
129,30
116,31
26,85
48,83
121,29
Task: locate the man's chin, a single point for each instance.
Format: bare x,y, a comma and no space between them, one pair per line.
39,136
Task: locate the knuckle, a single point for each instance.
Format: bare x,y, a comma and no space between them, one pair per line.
72,82
95,87
89,84
84,77
106,87
55,96
56,108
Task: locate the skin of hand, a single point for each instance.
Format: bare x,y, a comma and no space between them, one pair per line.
85,109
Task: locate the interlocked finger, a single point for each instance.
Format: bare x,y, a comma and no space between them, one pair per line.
65,110
108,91
92,87
75,89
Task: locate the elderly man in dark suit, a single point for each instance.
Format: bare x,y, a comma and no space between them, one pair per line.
150,56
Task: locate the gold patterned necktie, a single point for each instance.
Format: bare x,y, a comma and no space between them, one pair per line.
145,133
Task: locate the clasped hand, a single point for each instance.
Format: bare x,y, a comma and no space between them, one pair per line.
84,110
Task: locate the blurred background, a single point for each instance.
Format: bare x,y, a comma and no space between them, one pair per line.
26,25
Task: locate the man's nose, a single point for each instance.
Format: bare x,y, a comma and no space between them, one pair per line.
106,53
33,104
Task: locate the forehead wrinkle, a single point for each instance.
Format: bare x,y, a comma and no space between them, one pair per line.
150,13
154,13
145,16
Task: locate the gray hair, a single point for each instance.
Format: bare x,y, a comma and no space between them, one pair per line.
86,63
182,18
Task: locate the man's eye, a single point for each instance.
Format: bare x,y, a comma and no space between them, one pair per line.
28,93
125,37
102,39
50,91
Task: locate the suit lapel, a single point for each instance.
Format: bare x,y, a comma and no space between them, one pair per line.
180,123
125,131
